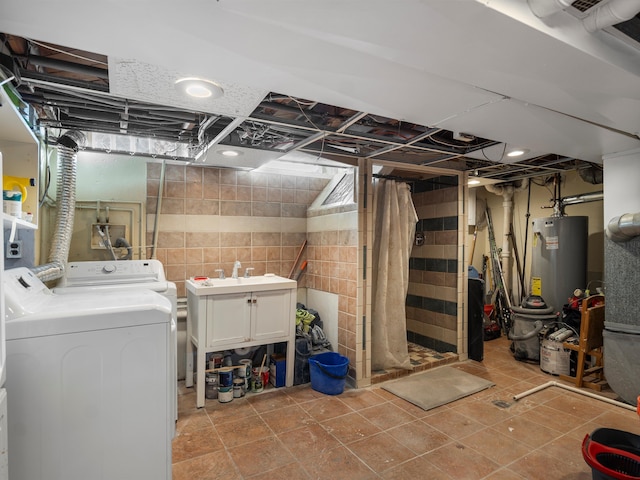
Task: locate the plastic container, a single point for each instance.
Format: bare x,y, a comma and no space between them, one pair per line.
328,372
12,203
612,454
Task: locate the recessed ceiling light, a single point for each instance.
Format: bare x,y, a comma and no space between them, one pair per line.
199,88
229,153
516,153
474,182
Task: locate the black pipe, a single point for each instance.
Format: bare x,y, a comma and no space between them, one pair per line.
57,64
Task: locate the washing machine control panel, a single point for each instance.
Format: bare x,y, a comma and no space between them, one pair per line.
22,288
110,272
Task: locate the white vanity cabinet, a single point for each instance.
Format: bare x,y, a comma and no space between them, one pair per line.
224,314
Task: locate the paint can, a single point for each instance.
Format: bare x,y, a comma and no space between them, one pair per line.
215,361
210,385
225,378
225,394
256,384
246,371
238,387
264,374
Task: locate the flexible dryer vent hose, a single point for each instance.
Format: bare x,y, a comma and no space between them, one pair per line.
68,145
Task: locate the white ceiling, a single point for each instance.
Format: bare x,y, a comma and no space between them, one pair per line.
488,68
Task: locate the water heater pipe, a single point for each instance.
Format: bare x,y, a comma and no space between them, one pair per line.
68,145
507,191
624,228
583,198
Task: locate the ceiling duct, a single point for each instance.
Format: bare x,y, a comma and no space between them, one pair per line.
546,8
611,13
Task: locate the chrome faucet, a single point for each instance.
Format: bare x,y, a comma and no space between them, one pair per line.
220,273
236,266
247,272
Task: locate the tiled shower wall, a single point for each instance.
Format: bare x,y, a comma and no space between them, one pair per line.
432,300
211,217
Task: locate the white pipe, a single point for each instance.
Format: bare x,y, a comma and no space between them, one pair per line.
545,8
574,390
611,13
507,192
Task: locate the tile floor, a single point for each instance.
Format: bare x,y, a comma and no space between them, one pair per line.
298,433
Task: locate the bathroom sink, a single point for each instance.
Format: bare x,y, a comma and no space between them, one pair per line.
220,286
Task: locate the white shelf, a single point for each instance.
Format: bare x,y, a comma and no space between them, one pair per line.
22,224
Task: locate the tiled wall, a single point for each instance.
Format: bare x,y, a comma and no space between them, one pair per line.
332,255
432,300
211,217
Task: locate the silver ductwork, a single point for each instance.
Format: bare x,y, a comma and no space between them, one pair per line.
624,228
582,198
68,145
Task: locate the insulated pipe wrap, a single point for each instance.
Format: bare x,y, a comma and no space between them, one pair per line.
68,145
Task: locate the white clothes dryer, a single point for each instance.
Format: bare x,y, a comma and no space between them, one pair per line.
88,383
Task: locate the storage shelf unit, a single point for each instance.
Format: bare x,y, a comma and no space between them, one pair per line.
20,150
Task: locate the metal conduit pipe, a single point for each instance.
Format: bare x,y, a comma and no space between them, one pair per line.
156,220
68,145
611,13
583,198
624,228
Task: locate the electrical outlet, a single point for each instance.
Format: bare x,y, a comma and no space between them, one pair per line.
14,249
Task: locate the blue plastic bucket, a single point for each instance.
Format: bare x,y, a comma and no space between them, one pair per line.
328,372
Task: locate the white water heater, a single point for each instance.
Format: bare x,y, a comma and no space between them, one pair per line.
559,258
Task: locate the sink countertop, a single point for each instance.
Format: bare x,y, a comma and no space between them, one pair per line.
258,283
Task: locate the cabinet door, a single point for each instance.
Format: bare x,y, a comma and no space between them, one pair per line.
271,314
228,319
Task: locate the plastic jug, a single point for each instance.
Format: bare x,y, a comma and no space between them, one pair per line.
18,183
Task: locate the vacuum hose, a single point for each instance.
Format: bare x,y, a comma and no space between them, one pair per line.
537,326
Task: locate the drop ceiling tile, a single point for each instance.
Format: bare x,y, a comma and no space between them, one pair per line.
156,84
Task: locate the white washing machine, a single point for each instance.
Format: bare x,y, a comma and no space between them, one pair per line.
88,383
127,274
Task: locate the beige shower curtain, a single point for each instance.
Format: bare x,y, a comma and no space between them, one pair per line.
395,225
